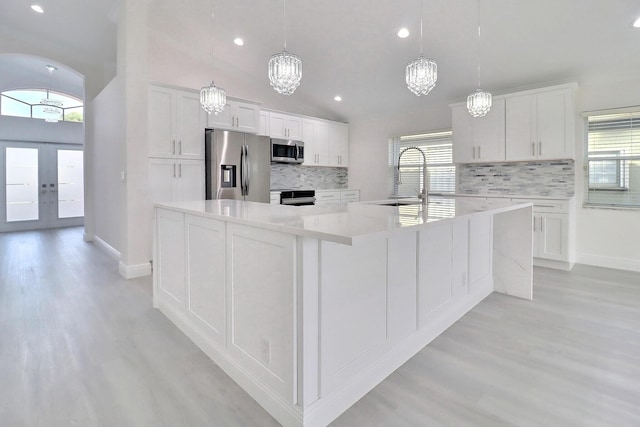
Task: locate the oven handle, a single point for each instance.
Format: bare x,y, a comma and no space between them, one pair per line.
298,200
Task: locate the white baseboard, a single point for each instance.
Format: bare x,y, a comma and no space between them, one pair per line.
87,237
110,250
609,262
133,271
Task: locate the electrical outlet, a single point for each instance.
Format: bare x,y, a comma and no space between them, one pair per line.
265,350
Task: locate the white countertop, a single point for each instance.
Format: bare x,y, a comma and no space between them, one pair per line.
342,223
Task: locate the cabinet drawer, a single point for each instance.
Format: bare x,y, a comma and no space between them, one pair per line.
350,194
327,196
554,206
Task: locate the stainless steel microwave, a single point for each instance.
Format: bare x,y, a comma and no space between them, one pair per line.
287,151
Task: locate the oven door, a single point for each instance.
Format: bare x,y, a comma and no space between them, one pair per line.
287,151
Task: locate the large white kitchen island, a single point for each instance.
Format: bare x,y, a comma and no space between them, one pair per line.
308,308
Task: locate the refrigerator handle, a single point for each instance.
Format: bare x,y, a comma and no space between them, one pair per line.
248,177
242,171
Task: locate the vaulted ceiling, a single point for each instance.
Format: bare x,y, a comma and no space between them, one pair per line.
350,47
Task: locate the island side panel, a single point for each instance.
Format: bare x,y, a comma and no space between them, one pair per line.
513,252
261,282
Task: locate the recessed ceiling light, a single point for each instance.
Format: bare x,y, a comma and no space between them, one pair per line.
238,41
51,68
37,8
403,33
637,23
337,98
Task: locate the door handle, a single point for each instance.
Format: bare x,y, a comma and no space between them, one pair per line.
174,170
174,146
474,152
479,151
180,147
248,179
540,148
180,170
533,148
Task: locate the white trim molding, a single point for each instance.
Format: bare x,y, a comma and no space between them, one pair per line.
609,262
135,270
107,248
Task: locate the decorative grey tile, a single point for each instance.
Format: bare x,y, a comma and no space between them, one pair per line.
554,178
293,176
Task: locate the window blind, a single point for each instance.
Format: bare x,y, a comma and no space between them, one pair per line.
613,160
438,149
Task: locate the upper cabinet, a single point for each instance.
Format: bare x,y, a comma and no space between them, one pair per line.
241,116
176,123
264,123
478,139
325,143
284,126
541,126
532,125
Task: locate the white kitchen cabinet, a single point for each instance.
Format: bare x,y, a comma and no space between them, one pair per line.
176,179
264,123
315,135
274,197
550,236
435,272
176,123
169,286
205,260
327,196
478,139
540,126
240,116
284,126
338,144
349,196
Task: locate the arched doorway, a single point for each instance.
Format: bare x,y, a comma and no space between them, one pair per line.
41,144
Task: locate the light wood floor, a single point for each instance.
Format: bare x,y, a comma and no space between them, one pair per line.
80,346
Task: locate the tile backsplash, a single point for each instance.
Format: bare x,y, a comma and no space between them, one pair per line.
552,178
294,176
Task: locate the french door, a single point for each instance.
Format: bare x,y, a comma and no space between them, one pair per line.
42,186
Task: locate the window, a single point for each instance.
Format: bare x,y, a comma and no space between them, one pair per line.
31,103
613,160
438,150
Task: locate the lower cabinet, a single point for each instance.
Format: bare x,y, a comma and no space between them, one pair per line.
550,236
169,266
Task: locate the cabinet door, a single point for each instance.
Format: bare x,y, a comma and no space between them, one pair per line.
191,121
488,134
223,120
435,250
190,177
205,276
162,177
294,127
169,264
554,236
315,135
553,142
339,144
247,117
162,122
264,123
277,125
462,127
520,128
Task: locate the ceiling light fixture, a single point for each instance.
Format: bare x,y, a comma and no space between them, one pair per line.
422,73
403,33
238,41
37,8
337,98
212,98
285,69
637,23
479,102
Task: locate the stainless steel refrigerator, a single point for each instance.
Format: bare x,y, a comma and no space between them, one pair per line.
238,166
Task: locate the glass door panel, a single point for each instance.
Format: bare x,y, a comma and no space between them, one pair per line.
70,183
21,184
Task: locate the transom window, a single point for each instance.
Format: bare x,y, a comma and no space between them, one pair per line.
613,159
41,104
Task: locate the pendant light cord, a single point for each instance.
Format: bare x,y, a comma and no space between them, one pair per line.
421,13
479,44
284,22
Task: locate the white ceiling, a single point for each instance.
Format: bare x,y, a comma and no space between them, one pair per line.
350,47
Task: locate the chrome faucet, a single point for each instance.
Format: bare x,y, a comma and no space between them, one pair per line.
423,195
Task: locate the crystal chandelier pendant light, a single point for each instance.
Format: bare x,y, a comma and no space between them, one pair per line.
285,68
479,102
422,73
212,98
53,107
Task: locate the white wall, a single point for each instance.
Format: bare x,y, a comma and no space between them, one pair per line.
107,141
27,129
609,238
